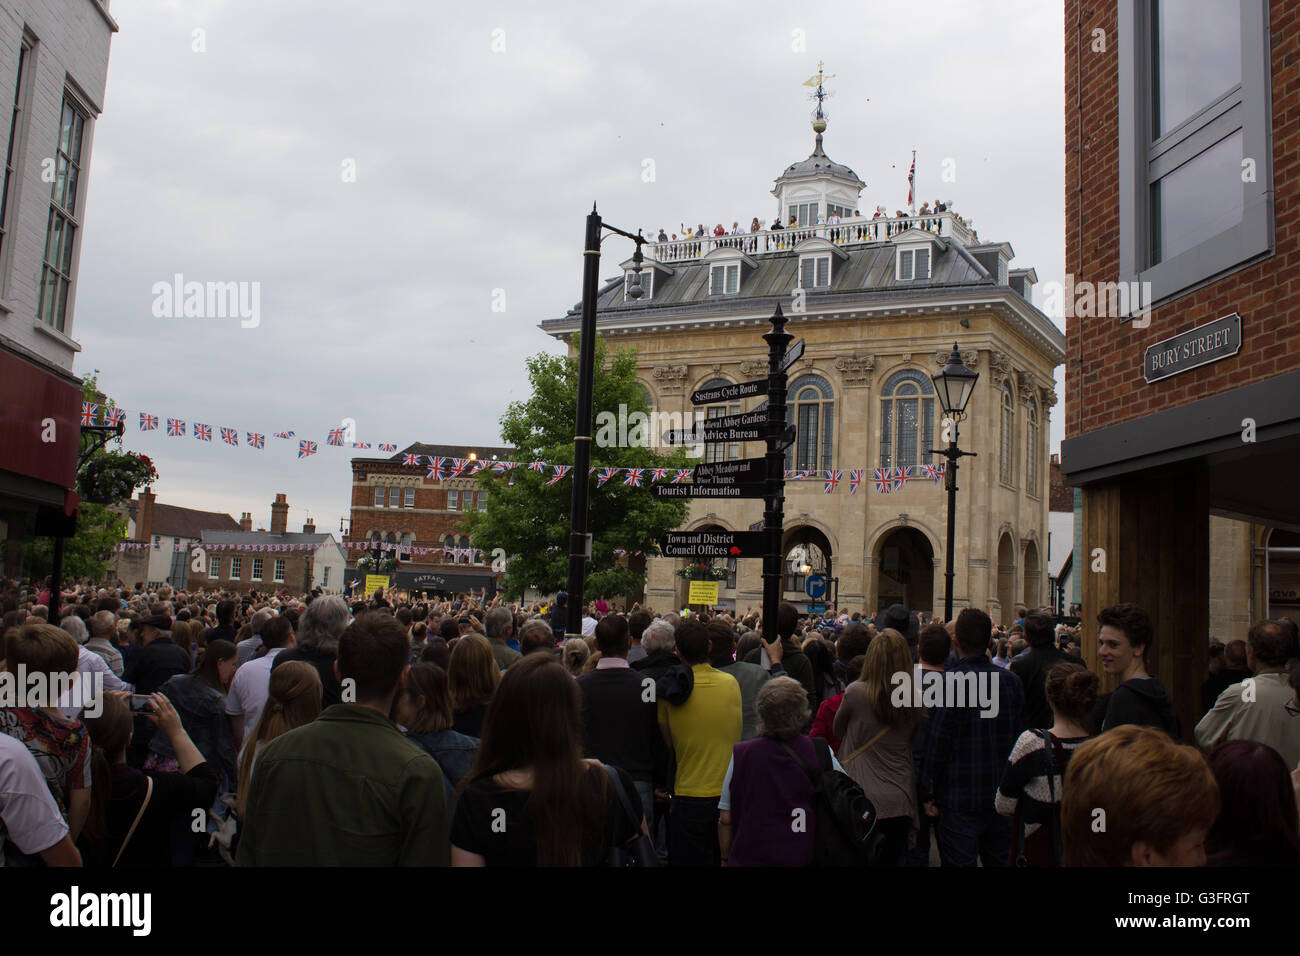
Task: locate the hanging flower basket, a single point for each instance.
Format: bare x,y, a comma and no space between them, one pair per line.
702,572
112,476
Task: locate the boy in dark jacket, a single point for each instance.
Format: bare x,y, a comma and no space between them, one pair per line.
1125,639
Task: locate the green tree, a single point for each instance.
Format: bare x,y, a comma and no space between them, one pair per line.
528,519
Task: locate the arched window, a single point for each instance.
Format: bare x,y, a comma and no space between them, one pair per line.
448,543
1008,461
720,452
645,393
906,420
406,546
810,407
1031,448
465,552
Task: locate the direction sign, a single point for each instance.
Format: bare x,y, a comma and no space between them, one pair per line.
751,426
713,544
792,356
757,417
730,472
759,525
815,586
729,392
747,490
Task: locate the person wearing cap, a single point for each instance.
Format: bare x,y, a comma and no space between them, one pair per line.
157,659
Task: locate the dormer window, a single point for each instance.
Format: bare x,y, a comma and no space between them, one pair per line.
913,264
647,285
724,279
815,272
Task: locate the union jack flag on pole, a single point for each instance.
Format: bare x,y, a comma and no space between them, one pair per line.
202,432
855,479
89,412
148,422
633,477
306,448
833,477
560,472
230,436
911,181
175,428
255,440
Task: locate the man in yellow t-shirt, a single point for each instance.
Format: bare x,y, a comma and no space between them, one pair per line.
701,731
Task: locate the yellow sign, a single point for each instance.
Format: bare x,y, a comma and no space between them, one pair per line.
703,592
374,582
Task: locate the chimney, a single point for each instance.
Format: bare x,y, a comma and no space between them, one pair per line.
309,527
144,516
246,522
279,515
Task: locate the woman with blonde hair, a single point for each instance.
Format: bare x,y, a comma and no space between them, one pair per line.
877,738
472,675
293,700
576,652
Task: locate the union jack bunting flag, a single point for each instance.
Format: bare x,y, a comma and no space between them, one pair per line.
306,448
935,472
284,434
148,422
387,446
680,476
437,468
475,466
89,412
537,466
175,427
787,473
202,432
604,475
411,459
361,444
633,477
560,472
113,415
833,479
499,467
255,440
658,474
230,436
510,465
855,479
882,476
458,466
335,437
899,476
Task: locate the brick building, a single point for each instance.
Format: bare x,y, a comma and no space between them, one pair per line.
420,519
159,540
1183,415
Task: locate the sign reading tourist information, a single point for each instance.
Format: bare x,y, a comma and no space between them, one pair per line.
728,393
793,355
730,472
713,544
1185,351
756,489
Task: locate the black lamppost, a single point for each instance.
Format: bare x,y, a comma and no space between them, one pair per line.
955,383
579,539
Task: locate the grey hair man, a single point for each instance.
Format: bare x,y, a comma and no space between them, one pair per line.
500,625
317,643
536,636
1260,707
249,646
103,627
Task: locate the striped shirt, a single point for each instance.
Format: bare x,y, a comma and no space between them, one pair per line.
1024,784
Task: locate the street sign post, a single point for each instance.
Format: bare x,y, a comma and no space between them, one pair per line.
713,544
756,489
792,356
730,472
815,586
728,393
748,426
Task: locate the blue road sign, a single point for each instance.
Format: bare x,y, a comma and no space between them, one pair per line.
815,586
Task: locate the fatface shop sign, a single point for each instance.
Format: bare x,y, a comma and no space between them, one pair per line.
1185,351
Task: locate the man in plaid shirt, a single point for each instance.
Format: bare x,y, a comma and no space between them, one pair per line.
967,753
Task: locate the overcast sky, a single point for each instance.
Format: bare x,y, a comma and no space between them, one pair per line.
474,170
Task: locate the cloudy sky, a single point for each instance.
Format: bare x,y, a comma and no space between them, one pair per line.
380,169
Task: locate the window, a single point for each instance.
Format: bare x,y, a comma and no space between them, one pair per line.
719,452
279,570
214,567
157,542
56,276
482,501
810,408
832,209
257,569
410,497
452,496
325,576
379,497
913,264
724,279
466,554
176,544
1008,460
11,157
1031,448
1194,88
406,546
236,568
448,543
906,420
805,213
394,497
647,285
815,272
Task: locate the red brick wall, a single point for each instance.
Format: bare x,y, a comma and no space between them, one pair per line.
1104,383
295,567
426,529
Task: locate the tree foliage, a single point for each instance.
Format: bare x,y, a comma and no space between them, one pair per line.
528,519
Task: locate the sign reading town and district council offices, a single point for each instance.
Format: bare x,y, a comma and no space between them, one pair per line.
1185,351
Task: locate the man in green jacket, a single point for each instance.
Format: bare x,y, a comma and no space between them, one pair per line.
350,789
795,661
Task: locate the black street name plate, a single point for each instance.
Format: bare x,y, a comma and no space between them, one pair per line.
792,356
749,490
729,392
713,544
1185,351
730,472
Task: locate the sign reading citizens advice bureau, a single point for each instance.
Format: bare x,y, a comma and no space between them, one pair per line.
749,426
1185,351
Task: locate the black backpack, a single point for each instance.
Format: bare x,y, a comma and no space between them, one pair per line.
845,831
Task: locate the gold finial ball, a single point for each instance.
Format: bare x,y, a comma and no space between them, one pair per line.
819,125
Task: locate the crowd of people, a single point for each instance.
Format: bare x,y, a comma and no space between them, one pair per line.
856,226
273,730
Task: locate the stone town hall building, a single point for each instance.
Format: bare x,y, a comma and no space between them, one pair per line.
883,302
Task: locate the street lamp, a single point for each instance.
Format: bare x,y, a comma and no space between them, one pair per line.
579,539
955,384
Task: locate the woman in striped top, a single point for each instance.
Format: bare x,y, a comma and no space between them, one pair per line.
1030,791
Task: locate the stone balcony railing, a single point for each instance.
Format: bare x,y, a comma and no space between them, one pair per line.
855,231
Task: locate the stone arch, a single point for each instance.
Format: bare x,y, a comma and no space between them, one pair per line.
1006,590
1033,575
807,533
905,567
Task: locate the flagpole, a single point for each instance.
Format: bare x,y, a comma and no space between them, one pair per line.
911,187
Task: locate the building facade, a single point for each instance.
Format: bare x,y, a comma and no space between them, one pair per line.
1183,417
880,303
53,68
400,506
160,541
